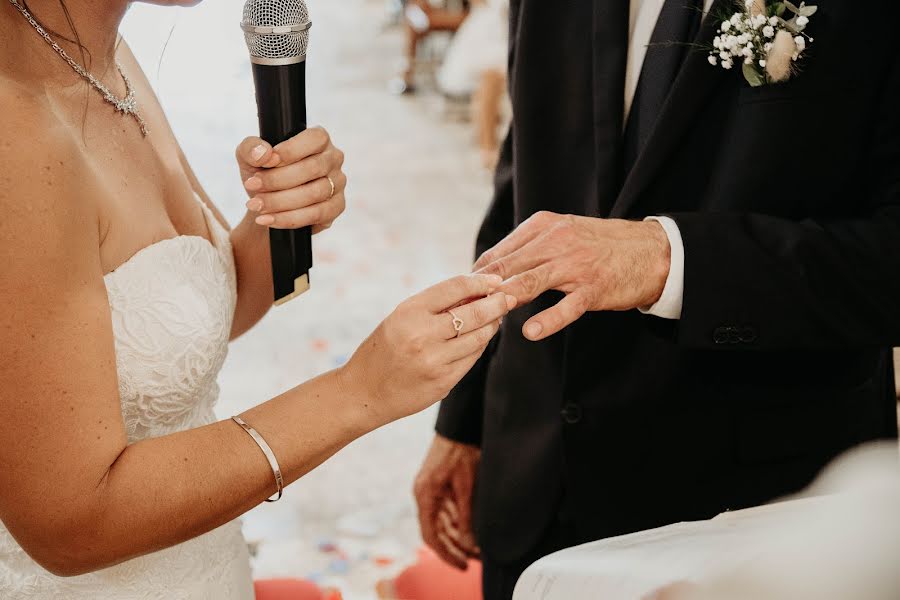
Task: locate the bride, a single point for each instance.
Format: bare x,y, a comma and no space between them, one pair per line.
122,285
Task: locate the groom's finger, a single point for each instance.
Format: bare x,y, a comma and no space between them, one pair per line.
455,535
457,557
528,285
450,293
555,319
524,259
449,527
462,492
524,233
428,525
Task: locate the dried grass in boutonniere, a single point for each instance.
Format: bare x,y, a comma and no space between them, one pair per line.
763,41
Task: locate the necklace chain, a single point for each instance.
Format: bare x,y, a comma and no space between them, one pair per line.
126,106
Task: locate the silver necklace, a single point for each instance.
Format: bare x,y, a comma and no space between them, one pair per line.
126,106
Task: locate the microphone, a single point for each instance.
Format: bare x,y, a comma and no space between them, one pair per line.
277,36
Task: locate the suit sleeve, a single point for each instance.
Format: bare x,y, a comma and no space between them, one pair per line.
461,413
766,283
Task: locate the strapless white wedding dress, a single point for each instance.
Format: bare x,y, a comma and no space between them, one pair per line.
172,306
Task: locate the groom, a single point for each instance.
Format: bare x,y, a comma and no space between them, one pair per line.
712,357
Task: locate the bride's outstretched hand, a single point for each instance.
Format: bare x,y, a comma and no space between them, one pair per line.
290,185
416,356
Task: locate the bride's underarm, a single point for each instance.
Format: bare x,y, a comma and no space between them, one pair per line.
253,266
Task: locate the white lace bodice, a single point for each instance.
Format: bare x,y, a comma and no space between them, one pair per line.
172,306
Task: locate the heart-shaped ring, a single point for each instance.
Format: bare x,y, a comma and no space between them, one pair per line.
458,323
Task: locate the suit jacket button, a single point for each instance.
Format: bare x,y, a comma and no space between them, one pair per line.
571,414
722,335
748,335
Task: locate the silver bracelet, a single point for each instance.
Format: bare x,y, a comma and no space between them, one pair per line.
270,456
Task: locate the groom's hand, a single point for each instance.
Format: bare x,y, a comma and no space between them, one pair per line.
600,264
443,493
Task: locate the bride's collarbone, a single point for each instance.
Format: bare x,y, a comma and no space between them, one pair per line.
136,186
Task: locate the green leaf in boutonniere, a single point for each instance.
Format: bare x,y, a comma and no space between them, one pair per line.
753,76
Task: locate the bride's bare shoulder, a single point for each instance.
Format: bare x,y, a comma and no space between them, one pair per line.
40,191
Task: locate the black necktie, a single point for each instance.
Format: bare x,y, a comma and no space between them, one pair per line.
678,25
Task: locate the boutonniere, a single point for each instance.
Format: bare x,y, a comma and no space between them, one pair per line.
759,37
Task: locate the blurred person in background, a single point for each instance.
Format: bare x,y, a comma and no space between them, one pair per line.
897,371
706,269
475,65
422,18
122,285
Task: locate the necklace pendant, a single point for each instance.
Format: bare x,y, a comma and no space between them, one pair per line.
127,106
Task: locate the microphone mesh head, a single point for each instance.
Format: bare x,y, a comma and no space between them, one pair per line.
276,13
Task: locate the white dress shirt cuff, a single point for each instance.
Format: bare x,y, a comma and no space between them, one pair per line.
672,299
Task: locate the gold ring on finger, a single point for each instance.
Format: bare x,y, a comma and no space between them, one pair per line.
333,187
458,323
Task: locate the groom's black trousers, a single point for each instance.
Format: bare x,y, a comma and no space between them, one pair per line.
499,578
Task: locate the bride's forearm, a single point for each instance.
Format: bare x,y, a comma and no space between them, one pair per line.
252,258
164,491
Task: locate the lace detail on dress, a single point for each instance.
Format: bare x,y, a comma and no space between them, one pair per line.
172,306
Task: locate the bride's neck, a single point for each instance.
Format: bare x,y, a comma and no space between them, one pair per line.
86,29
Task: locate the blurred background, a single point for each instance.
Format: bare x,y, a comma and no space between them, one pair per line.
418,187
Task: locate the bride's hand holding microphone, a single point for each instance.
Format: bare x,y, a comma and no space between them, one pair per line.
297,183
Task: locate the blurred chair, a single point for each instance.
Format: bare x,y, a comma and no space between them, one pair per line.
433,579
292,589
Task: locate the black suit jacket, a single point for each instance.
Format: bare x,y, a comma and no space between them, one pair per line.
788,201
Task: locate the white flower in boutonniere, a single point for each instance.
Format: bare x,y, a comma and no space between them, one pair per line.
759,37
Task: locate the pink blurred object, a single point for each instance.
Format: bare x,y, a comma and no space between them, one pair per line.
292,589
433,579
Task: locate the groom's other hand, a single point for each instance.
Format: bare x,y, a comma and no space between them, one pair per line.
600,264
443,492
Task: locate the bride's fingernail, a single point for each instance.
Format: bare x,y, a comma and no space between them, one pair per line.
533,330
254,183
265,220
511,302
254,204
258,152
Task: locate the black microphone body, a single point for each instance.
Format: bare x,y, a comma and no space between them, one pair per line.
281,103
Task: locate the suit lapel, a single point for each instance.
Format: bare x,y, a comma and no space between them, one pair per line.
695,83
